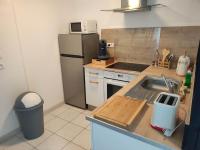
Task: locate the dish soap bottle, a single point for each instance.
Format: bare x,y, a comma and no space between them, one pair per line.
188,78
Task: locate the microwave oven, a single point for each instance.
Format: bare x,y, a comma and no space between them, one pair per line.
84,27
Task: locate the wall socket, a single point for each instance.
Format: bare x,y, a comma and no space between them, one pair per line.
110,45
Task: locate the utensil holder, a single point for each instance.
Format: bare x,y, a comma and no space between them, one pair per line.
165,64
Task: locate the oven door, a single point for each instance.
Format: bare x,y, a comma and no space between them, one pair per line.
112,86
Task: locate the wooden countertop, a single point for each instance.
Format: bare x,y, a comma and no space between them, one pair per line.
94,66
141,125
100,67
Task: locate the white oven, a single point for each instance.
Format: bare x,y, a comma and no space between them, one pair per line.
114,81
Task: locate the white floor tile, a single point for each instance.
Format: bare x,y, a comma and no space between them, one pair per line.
72,146
1,146
16,143
77,109
59,110
87,112
83,139
48,117
54,142
89,127
39,140
69,114
55,124
70,131
81,121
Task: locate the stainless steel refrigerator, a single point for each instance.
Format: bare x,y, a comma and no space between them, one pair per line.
76,50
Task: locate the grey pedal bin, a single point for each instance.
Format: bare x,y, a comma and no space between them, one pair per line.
29,110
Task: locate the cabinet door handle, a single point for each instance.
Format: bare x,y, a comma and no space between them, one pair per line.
94,82
120,75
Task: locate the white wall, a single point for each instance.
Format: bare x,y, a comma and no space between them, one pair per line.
12,78
28,46
177,13
38,24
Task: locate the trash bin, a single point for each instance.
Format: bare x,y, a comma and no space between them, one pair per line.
29,109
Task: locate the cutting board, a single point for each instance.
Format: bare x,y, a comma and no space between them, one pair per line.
103,62
120,111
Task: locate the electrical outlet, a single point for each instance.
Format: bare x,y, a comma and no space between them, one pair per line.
110,45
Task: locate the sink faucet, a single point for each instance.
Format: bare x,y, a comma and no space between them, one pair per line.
170,85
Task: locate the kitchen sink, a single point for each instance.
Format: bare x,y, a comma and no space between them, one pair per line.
150,87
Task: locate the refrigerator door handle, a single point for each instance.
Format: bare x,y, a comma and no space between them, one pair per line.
72,56
73,81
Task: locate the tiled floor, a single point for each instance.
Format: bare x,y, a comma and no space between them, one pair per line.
65,129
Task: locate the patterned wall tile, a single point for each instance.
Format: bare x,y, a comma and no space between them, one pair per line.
139,44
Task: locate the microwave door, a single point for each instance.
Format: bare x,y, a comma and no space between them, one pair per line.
76,27
70,44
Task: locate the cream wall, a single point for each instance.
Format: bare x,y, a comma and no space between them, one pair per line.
12,77
177,13
29,51
38,24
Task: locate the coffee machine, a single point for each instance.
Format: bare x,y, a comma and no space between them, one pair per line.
103,54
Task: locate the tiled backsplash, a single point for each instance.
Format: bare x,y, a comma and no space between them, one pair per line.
139,44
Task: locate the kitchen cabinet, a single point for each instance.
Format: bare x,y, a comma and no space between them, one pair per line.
94,80
105,138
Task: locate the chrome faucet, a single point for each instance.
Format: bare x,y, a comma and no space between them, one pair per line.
169,83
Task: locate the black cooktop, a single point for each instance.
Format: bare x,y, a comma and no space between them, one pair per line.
129,66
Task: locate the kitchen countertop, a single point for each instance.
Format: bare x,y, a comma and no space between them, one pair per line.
141,126
94,66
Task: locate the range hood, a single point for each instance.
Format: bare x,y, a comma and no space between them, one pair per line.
134,6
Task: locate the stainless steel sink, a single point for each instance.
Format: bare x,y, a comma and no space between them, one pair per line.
150,87
156,84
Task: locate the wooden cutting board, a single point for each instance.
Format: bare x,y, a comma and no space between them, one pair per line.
103,62
120,111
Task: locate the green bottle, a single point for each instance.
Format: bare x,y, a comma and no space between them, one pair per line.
188,78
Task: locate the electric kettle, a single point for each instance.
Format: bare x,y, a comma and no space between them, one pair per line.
182,66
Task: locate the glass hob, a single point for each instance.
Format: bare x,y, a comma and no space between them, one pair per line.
129,66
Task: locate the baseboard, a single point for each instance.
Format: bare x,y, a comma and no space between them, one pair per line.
54,107
91,108
9,135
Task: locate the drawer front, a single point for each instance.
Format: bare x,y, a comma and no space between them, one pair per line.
119,76
94,91
94,72
94,87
